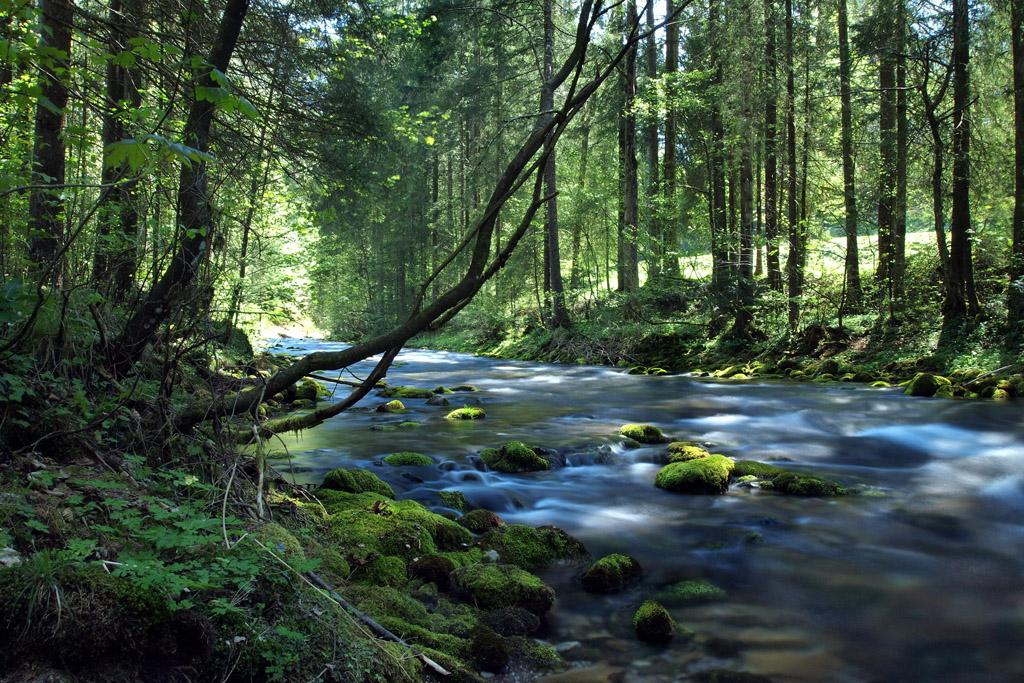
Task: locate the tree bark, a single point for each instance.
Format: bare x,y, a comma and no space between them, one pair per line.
657,251
559,314
961,297
794,274
1015,295
852,264
771,107
899,222
670,221
46,208
721,239
887,149
193,200
628,271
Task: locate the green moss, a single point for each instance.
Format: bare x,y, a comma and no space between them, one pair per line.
925,384
681,451
394,406
795,484
531,548
356,481
1001,395
310,390
653,623
656,372
467,413
433,569
513,457
705,475
464,388
489,651
479,521
760,470
409,425
280,540
406,392
491,586
453,646
386,570
611,573
453,499
535,654
880,384
442,390
692,591
408,459
642,433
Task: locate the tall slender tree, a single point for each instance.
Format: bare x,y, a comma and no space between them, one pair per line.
559,313
771,108
887,146
669,227
651,143
794,269
1015,297
852,261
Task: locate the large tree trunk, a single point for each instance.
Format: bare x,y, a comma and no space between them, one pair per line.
193,200
794,273
745,285
657,253
628,271
961,298
899,219
118,219
671,219
887,150
721,236
852,265
559,314
1015,297
771,194
46,208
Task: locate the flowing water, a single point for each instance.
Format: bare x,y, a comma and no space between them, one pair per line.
920,579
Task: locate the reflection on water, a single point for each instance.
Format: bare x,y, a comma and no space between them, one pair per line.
919,581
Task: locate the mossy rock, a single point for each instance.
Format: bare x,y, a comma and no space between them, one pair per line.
409,425
1001,395
925,384
690,592
356,481
408,459
440,390
653,623
881,384
310,390
760,470
433,569
453,499
704,475
829,366
642,433
74,613
394,406
281,541
301,404
514,457
488,650
656,372
365,523
796,484
481,521
681,451
386,570
637,370
532,548
611,573
512,621
406,392
464,388
466,413
492,586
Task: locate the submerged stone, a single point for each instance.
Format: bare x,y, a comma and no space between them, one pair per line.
611,573
653,623
395,406
795,484
704,475
406,392
690,592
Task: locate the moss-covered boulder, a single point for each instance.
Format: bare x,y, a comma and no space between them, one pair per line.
405,392
408,459
493,586
691,591
514,457
760,470
611,573
704,475
366,523
433,569
653,623
464,388
394,406
488,650
466,413
310,390
681,451
512,621
356,481
279,540
532,548
455,500
481,521
926,384
386,570
796,484
642,433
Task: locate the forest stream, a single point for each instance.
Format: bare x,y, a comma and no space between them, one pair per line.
918,578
